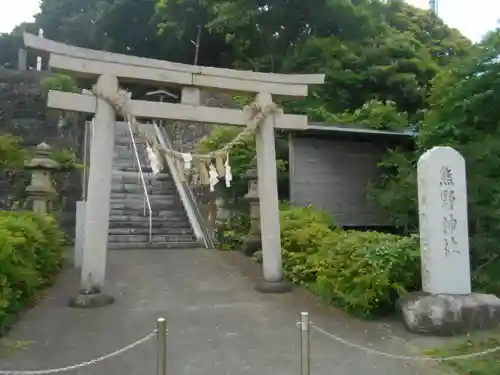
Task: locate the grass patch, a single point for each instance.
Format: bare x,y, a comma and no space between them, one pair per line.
484,365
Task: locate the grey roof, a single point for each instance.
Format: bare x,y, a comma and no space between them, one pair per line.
332,129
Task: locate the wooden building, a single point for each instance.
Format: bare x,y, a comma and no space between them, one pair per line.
331,167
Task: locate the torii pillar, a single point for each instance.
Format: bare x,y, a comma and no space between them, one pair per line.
95,242
272,267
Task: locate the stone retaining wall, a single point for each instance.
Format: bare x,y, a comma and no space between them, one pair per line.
23,112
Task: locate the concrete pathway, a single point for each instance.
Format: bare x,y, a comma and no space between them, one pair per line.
218,324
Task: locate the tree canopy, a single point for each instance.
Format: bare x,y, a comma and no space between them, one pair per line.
368,49
466,119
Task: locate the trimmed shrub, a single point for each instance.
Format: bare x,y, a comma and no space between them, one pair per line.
303,228
363,273
31,254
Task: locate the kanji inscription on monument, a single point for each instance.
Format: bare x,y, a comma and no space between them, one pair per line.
444,238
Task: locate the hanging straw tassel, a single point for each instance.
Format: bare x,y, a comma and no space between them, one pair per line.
219,165
204,177
188,159
213,177
228,175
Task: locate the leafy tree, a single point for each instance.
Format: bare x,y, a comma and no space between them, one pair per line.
11,43
184,22
368,49
126,26
60,82
73,21
444,44
375,115
464,118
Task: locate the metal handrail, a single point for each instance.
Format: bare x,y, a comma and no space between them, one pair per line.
147,202
207,235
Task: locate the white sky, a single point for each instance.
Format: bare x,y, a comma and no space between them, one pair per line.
14,12
472,17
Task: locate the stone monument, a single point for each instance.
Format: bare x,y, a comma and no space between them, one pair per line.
446,304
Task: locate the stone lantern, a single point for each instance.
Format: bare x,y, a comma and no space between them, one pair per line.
252,242
41,189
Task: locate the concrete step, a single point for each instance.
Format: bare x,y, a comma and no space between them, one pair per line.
135,218
133,176
155,231
129,167
133,188
119,163
155,245
160,186
156,210
122,129
138,205
155,214
129,159
154,194
150,183
122,143
124,134
124,150
136,180
156,224
137,199
139,196
140,238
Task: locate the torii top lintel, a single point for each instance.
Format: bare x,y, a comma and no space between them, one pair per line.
87,62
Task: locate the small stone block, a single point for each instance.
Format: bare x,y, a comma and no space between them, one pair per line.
273,287
91,300
446,314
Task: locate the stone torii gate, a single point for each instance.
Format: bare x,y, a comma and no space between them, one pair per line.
107,68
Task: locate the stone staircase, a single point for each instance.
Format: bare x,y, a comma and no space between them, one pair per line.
128,226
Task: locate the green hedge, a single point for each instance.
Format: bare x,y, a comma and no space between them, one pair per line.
365,272
362,272
31,254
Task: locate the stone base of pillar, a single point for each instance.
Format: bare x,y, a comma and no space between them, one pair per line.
273,287
251,245
91,299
